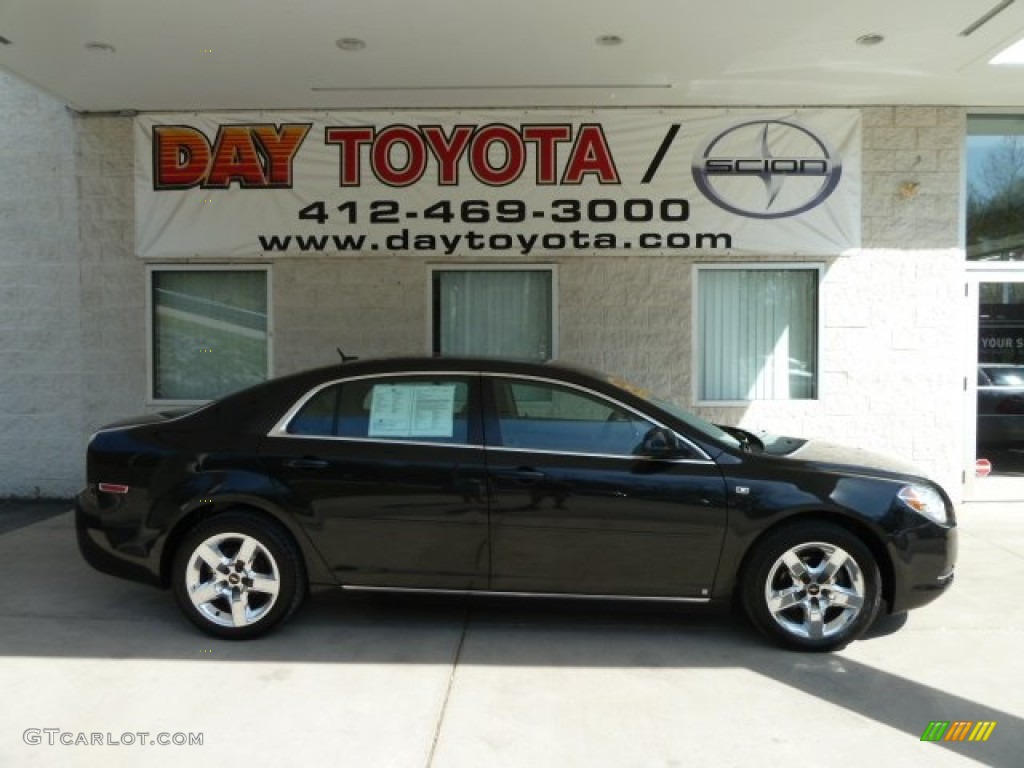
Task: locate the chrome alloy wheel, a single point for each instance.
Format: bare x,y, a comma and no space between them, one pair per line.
815,590
232,579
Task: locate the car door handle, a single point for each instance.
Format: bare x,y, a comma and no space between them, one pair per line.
307,463
524,476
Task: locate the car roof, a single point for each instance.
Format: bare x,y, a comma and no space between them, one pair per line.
469,364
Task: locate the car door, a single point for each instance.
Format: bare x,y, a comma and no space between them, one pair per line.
575,509
388,472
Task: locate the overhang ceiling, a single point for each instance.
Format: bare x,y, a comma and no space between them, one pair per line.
112,55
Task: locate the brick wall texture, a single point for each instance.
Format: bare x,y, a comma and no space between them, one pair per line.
73,332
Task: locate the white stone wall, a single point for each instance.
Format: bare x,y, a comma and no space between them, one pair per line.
73,327
113,281
40,299
368,307
72,324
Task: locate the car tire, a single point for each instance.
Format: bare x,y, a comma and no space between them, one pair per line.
238,575
811,586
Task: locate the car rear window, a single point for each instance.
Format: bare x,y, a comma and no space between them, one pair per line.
429,409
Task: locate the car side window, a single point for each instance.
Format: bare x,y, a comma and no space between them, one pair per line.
388,408
317,416
546,416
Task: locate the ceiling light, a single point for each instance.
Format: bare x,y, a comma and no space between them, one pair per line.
985,18
609,40
522,87
350,43
100,47
1010,57
871,39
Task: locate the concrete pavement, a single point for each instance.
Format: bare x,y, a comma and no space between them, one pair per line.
452,683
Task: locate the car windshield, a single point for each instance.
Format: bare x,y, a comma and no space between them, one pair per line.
692,420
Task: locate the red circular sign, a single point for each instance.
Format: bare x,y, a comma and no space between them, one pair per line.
982,468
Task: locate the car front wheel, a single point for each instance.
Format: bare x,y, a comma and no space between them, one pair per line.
812,586
237,576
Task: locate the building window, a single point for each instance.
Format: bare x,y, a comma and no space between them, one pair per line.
209,331
757,333
995,188
493,312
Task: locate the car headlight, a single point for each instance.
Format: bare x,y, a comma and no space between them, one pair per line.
927,501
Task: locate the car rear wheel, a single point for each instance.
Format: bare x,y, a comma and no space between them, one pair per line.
237,576
812,586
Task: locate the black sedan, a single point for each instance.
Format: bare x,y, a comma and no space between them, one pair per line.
466,476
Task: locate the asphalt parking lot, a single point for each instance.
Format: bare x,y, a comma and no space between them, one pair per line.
95,671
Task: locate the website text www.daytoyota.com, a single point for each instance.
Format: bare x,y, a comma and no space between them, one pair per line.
583,225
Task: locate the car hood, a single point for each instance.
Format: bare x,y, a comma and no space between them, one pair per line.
826,455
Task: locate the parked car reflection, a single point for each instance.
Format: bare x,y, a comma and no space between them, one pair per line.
1000,405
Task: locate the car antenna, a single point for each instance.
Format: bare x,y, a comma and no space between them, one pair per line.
346,358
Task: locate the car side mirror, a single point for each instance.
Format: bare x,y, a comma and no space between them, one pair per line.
661,443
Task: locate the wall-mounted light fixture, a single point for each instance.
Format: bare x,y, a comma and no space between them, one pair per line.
909,189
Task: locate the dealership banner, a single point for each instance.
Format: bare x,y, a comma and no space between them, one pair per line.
512,183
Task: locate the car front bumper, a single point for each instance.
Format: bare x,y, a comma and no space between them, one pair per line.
924,560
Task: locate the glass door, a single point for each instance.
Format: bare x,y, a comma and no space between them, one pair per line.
998,392
994,239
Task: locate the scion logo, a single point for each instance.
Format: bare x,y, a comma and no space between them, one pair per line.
767,169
